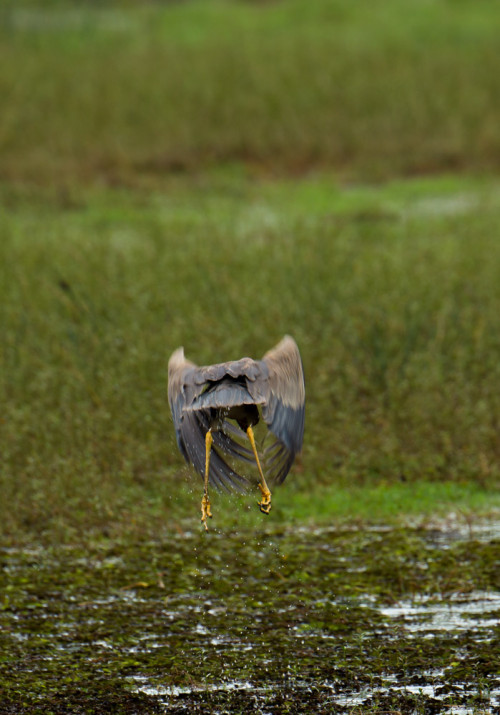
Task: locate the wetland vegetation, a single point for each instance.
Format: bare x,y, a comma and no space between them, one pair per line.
215,174
263,620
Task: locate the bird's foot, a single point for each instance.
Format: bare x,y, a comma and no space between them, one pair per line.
206,511
265,502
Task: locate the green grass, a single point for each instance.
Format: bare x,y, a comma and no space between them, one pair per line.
126,92
392,294
150,197
421,502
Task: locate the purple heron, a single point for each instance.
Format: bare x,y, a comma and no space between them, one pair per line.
203,400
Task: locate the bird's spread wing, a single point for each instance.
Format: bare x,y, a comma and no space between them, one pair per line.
284,407
186,385
180,392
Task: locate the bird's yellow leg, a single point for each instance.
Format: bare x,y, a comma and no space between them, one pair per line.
205,502
265,502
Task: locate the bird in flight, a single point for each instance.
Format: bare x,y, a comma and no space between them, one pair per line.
215,406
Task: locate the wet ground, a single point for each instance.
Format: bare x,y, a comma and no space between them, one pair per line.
280,621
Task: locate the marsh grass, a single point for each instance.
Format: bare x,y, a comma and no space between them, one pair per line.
391,293
138,146
122,92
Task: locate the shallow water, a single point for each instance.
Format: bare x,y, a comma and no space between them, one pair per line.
307,620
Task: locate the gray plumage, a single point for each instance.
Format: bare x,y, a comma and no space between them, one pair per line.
203,398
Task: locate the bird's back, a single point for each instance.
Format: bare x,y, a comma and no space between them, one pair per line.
224,394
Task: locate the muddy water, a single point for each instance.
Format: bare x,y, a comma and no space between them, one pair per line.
279,621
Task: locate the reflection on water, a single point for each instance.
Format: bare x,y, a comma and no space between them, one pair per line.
462,613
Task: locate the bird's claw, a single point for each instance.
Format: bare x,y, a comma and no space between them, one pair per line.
265,502
206,511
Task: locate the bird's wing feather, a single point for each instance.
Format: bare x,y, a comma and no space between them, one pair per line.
284,408
277,460
180,391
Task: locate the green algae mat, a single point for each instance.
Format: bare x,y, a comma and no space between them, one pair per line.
323,620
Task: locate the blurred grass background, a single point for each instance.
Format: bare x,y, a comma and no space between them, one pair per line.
216,174
119,91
